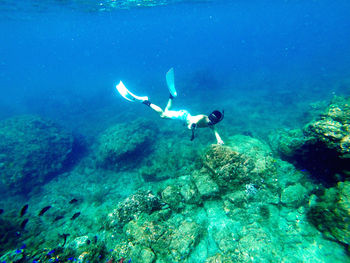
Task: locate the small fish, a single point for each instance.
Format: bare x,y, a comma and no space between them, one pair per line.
58,218
51,252
43,211
1,211
75,216
64,236
24,210
129,260
24,222
88,242
73,201
18,251
23,246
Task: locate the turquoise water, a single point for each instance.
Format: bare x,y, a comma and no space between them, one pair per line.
121,182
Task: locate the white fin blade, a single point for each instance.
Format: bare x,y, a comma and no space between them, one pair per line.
128,95
170,80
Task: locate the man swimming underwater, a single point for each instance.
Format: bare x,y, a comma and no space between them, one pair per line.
193,122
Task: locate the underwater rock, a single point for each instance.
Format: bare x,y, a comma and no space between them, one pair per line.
170,239
183,240
331,213
226,167
225,239
206,186
124,145
146,232
31,150
219,258
181,192
323,145
78,242
294,195
256,243
169,158
254,149
242,161
143,254
172,196
291,141
190,193
133,206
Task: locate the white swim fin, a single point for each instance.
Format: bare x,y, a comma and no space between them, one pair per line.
170,82
128,95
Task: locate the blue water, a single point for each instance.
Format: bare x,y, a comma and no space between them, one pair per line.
58,56
270,64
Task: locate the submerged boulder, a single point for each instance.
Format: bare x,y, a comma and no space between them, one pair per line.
168,241
31,149
331,213
242,161
135,205
124,145
294,195
323,145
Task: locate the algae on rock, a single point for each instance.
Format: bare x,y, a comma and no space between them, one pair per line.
124,145
31,150
331,213
134,206
323,145
243,161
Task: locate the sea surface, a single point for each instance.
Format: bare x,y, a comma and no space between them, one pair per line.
269,65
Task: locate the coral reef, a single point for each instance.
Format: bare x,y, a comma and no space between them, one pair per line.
31,150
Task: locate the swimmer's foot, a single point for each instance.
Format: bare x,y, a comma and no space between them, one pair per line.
147,102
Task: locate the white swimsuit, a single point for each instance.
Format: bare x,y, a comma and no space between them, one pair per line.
182,115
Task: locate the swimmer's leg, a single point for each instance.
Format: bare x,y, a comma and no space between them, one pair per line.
154,107
166,114
169,104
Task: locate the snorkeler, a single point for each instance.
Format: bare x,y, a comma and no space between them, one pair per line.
193,122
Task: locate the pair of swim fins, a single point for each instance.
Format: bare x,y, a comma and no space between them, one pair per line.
132,97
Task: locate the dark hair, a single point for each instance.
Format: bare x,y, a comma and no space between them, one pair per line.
215,117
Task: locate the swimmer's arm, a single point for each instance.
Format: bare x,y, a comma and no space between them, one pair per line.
217,136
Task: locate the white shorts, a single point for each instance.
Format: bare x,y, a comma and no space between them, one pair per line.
182,115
